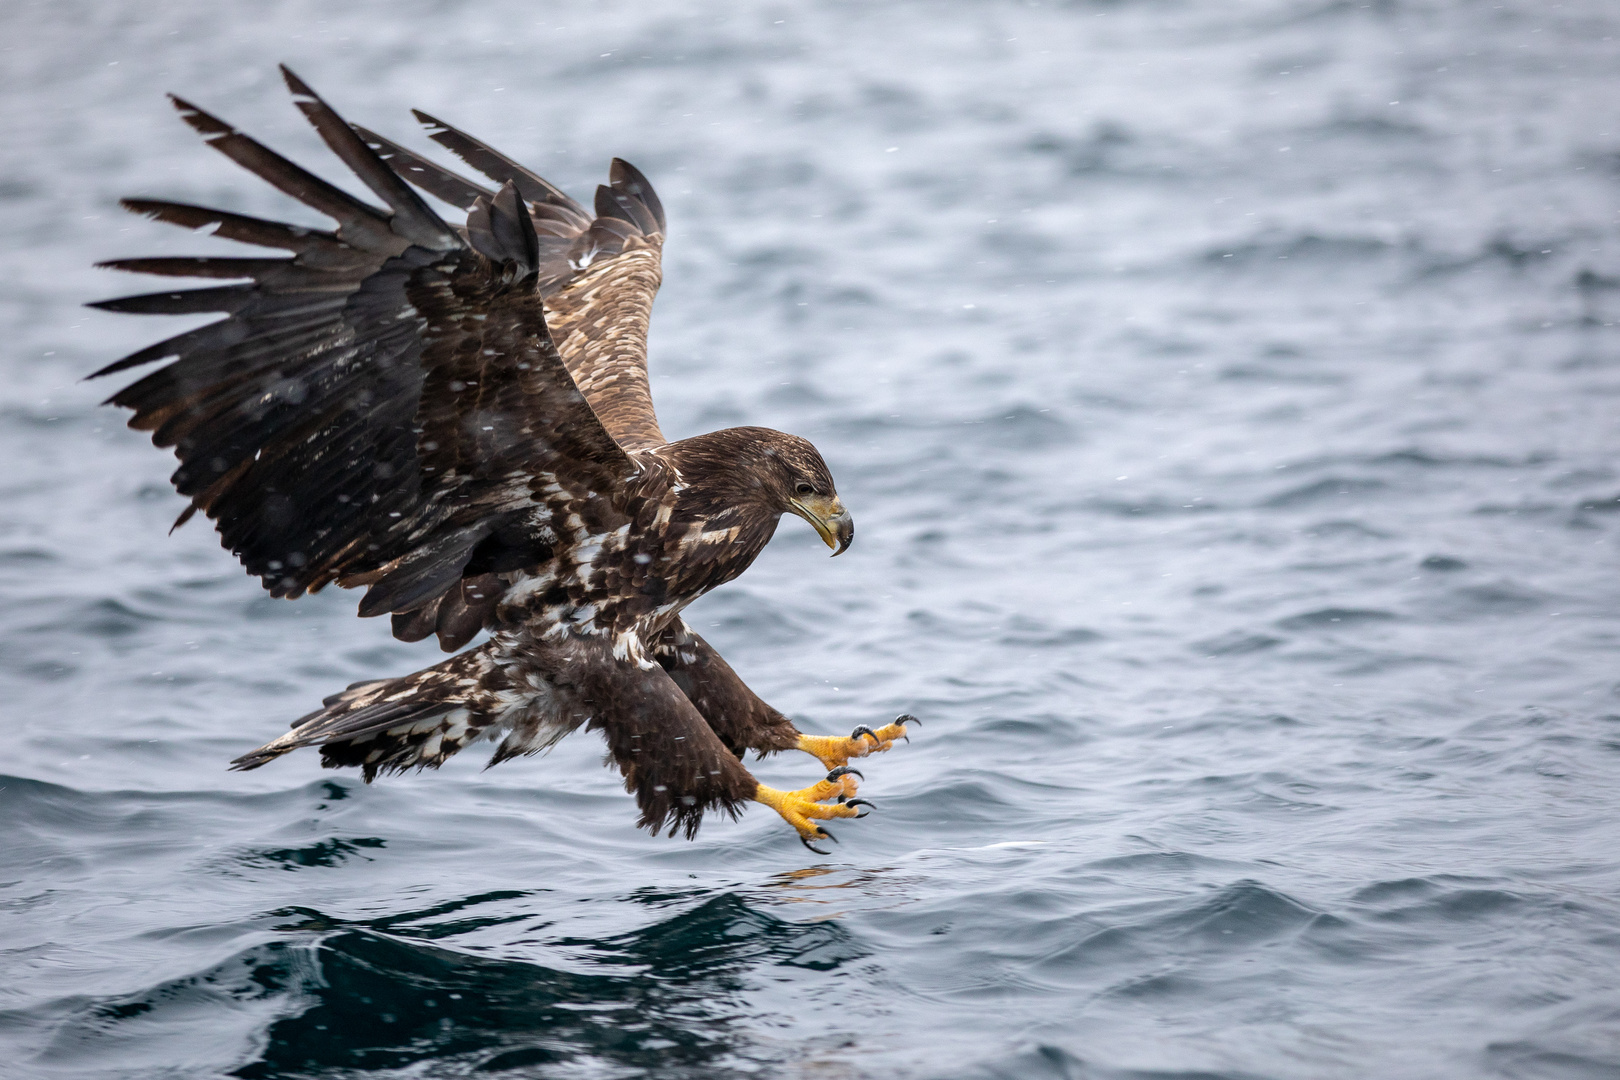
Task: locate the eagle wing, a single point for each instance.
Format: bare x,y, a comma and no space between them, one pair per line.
598,274
386,407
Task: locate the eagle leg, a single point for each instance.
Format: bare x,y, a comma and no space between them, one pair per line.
798,808
835,750
736,713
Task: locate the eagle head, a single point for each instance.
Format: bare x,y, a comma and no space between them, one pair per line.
807,485
768,471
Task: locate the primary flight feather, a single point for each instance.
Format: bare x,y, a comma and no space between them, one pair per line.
457,418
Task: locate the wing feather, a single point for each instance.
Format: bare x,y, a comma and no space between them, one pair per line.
228,298
315,248
431,178
598,275
259,270
378,405
500,168
412,219
359,225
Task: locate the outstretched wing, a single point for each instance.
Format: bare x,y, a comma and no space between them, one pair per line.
386,406
598,274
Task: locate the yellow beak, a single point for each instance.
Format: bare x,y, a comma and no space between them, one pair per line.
829,518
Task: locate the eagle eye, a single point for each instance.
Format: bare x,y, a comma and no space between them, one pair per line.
802,488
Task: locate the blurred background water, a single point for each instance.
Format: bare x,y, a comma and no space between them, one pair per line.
1227,396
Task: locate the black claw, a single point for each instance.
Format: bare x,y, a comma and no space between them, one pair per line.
864,730
826,833
805,840
906,718
843,770
861,802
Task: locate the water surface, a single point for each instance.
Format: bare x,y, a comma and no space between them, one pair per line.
1226,393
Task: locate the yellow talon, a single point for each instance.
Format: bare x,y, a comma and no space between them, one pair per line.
799,807
836,750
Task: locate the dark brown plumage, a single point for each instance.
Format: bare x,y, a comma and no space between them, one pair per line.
458,420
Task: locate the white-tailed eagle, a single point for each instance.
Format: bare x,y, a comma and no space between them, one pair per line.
458,419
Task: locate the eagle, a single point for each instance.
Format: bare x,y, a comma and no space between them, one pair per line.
458,420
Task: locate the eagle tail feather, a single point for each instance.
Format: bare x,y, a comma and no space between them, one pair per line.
392,725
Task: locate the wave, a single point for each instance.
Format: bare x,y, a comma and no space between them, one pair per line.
331,997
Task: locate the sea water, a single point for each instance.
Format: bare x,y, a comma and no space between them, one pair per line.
1226,395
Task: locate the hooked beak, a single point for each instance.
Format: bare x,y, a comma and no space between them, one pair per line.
829,518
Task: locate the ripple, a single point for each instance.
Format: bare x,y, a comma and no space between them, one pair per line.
198,1023
1535,1060
327,853
1309,247
1023,427
1026,630
1455,904
1247,911
1319,491
1335,618
1236,643
1608,505
1497,599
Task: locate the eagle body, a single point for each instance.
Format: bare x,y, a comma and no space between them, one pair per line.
458,419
